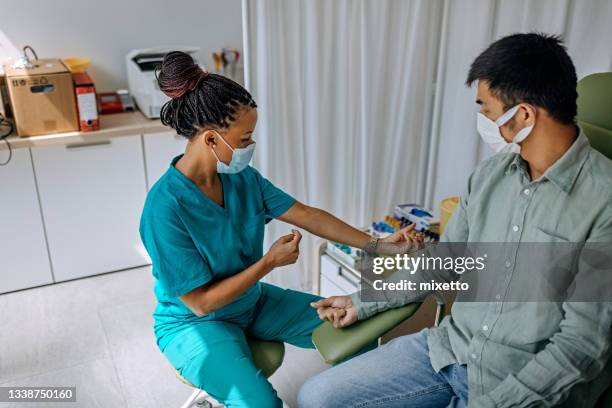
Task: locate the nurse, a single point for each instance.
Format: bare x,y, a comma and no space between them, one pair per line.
203,226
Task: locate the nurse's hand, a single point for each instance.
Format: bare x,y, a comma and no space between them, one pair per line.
285,250
401,242
338,310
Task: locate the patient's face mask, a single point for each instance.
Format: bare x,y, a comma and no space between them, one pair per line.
240,158
490,133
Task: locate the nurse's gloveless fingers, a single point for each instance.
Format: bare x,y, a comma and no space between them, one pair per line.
417,242
284,251
406,231
286,238
297,236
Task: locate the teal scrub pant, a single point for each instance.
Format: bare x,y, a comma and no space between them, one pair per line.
214,355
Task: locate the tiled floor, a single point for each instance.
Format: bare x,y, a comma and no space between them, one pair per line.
96,334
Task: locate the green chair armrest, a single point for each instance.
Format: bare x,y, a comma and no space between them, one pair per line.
336,345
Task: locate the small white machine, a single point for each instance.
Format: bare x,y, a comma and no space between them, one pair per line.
141,77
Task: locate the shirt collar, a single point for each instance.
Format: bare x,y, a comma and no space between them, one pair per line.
516,163
564,172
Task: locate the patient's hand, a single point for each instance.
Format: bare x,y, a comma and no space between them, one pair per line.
338,310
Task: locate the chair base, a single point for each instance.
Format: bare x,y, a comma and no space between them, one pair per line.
200,399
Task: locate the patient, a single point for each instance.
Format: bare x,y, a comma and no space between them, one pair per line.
545,184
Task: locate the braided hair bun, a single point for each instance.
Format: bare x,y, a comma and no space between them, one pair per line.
200,100
179,74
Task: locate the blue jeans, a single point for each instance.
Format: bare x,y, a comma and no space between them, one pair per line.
397,374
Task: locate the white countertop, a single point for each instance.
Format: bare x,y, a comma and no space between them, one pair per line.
111,125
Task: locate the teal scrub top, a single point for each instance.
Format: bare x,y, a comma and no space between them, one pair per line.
192,240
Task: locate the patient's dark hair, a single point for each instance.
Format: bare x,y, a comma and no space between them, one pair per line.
200,100
532,68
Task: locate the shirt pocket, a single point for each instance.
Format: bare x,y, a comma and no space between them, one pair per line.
542,234
553,263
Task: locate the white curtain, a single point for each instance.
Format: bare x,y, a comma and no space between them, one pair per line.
344,92
471,26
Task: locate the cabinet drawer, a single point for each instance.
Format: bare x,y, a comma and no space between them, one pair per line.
341,278
92,196
329,288
159,149
24,261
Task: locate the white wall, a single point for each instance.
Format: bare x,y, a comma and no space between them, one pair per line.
105,30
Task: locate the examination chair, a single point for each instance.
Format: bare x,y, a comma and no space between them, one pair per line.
595,118
267,355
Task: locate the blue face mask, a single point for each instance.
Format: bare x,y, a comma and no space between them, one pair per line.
240,158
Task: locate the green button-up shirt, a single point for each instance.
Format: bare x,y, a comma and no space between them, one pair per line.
527,353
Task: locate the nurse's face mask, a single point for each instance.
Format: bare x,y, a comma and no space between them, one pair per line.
490,133
240,158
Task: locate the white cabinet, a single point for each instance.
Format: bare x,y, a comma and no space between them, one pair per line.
24,261
336,280
92,196
159,149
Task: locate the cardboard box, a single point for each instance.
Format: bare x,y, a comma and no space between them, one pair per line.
87,106
42,98
5,106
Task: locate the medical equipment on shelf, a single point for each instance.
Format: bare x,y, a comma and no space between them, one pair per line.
403,215
414,213
347,254
142,83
